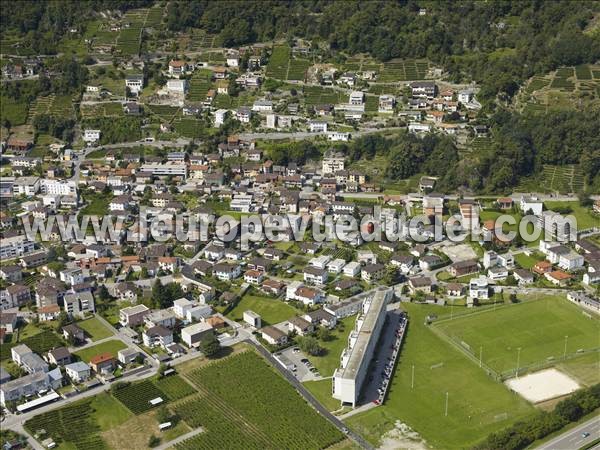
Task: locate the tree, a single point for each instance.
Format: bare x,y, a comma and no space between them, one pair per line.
153,441
324,334
310,345
210,346
103,293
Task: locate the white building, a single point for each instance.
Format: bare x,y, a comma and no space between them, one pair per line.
479,288
317,127
336,136
79,304
356,98
135,83
78,371
356,358
220,116
194,334
178,87
170,168
252,319
332,163
91,136
58,187
533,204
11,247
181,306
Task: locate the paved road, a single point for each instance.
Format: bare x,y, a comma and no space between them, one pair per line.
573,439
179,439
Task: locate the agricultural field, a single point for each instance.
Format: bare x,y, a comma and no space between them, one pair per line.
165,112
136,396
477,405
95,329
111,346
110,109
316,95
240,394
297,69
538,327
14,112
191,128
154,17
562,179
271,310
566,88
279,62
199,86
128,42
38,343
407,70
174,387
60,425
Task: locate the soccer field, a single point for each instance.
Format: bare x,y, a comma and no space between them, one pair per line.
477,405
538,327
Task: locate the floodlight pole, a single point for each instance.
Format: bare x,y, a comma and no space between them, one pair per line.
518,360
480,355
566,341
446,412
412,382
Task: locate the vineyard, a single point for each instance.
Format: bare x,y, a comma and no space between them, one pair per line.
316,95
174,387
198,89
165,112
128,42
39,343
246,387
562,179
404,70
279,62
136,396
112,109
72,425
220,430
190,128
297,69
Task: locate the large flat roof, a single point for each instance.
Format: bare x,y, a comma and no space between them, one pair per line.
365,334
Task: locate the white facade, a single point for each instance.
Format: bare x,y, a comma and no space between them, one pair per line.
317,127
356,358
91,136
58,187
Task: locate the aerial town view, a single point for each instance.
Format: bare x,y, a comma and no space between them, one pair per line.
300,224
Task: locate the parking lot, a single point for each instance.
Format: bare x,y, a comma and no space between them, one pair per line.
382,367
294,358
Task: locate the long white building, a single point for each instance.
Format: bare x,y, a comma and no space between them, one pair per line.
169,168
58,187
349,377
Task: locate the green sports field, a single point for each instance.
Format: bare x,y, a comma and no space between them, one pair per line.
477,405
538,327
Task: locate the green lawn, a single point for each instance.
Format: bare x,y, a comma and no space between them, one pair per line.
538,327
526,262
271,310
322,391
585,218
477,405
112,347
108,411
95,329
327,363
